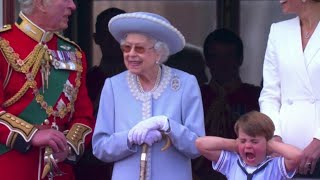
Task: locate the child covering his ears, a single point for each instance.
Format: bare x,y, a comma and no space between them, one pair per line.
247,157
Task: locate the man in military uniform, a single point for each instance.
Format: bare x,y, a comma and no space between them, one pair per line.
45,115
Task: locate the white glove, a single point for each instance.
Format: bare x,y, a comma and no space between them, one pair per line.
138,133
152,137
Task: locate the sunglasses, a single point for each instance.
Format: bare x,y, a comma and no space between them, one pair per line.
138,49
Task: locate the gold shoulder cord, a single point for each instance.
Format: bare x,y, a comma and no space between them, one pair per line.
33,59
5,28
14,59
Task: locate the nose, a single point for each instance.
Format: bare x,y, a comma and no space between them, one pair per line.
248,145
73,6
132,52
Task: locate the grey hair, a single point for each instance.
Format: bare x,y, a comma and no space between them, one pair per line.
163,50
159,46
27,6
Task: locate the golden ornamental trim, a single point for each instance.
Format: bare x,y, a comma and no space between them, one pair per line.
35,60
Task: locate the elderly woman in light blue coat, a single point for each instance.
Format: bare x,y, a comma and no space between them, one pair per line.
147,102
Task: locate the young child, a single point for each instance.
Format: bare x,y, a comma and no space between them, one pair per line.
247,156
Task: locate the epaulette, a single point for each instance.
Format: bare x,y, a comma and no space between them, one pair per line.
68,40
5,28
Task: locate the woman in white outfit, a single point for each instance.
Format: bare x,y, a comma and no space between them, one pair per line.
291,86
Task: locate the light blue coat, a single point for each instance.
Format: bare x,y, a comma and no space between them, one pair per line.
122,106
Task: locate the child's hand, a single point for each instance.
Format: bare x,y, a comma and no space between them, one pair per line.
269,147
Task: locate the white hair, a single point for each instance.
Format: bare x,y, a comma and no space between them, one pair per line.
27,6
163,50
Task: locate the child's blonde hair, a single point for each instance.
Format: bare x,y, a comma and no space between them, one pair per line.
254,124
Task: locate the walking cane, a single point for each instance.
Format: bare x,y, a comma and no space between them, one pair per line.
143,160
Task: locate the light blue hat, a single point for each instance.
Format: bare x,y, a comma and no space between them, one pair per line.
150,24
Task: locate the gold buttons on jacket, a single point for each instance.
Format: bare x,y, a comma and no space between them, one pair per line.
76,137
13,122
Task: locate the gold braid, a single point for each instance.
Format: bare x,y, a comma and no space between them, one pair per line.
33,59
14,59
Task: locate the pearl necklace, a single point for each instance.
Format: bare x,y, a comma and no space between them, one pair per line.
155,85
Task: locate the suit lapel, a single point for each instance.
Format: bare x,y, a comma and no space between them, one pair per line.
296,54
295,44
313,47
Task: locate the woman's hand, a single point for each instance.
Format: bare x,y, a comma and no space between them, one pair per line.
139,132
152,137
310,156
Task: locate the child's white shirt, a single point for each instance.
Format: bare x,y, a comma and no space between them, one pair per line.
228,165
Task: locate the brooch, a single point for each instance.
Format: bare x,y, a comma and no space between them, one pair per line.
175,83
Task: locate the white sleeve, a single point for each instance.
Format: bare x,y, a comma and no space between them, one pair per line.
270,96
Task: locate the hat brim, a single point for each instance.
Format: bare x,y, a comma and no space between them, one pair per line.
121,25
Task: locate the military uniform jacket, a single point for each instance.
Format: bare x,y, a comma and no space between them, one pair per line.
42,78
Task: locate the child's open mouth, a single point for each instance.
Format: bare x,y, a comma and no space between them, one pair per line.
250,156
